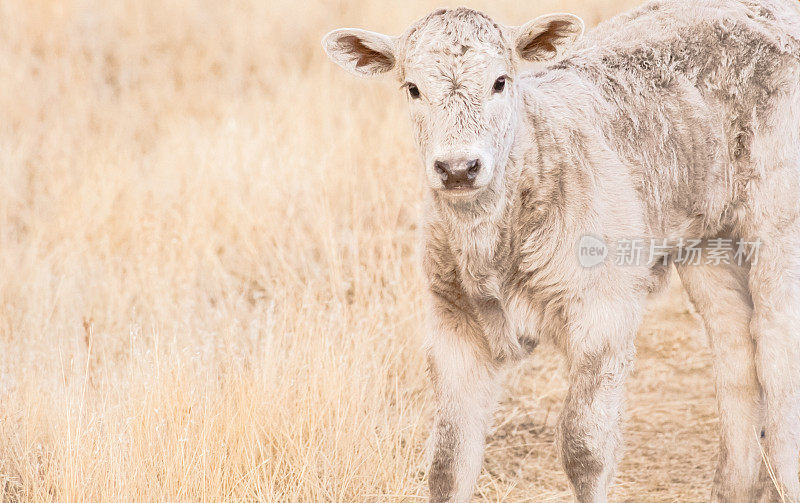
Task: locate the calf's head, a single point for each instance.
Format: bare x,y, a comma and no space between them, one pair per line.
458,70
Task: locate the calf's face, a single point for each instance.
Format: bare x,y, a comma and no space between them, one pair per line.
458,70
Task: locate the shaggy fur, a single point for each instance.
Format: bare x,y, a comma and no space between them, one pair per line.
677,120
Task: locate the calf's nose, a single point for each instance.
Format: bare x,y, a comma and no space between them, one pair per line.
458,173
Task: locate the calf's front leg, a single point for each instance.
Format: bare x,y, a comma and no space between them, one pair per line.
466,383
599,354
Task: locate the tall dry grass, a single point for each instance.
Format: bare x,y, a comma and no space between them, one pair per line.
208,281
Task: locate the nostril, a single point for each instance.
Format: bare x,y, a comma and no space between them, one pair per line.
441,169
472,168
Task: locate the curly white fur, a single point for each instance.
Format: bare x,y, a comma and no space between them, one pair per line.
674,120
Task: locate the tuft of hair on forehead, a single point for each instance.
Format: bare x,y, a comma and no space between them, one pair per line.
455,31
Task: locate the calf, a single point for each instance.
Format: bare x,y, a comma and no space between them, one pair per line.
677,123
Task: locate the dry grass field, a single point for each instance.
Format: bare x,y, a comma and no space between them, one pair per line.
209,287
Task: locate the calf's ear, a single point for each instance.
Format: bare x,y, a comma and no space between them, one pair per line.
547,37
360,52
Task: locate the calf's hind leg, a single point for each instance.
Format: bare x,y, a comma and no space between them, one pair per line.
775,287
722,298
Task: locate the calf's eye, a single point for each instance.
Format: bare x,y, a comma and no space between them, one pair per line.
499,85
413,91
